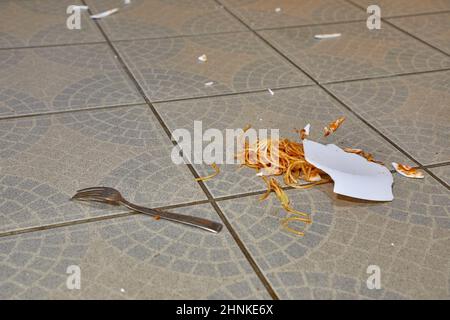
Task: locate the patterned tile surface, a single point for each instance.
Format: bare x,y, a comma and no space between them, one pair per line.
412,111
260,14
391,8
170,69
133,257
433,29
115,140
443,173
161,18
407,238
286,110
62,78
359,53
45,159
42,22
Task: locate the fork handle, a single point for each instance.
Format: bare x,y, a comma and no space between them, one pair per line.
201,223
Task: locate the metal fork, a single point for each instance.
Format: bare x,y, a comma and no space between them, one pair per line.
112,196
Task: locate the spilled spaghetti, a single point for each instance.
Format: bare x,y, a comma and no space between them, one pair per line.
286,158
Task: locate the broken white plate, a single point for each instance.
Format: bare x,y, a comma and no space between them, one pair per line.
353,175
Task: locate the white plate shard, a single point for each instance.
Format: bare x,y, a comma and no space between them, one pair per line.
353,175
327,36
271,92
408,171
203,58
304,133
209,84
104,14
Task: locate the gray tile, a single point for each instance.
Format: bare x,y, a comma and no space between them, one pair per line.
45,159
169,69
42,22
285,110
443,173
358,234
411,110
259,14
433,29
358,54
62,78
161,18
109,271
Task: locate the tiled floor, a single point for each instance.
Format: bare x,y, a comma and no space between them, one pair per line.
96,106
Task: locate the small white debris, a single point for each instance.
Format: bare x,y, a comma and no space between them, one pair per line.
392,244
327,36
269,171
203,58
271,92
277,9
104,14
126,1
209,84
122,290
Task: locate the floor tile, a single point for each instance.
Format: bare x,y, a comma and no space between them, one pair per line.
359,53
45,159
391,8
42,22
412,111
434,29
286,110
259,14
170,69
407,239
128,258
443,173
161,18
62,78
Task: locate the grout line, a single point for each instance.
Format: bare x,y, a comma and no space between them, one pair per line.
387,76
341,102
50,113
126,213
182,36
418,14
233,93
55,45
225,221
401,30
62,224
168,207
309,25
437,165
